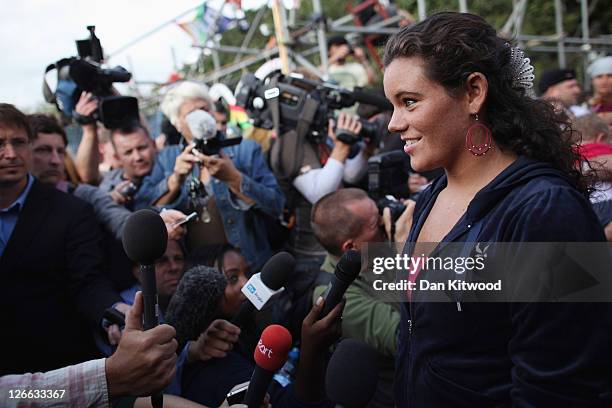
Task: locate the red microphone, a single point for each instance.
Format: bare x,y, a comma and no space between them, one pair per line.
270,355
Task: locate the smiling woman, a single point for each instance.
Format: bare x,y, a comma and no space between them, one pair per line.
461,101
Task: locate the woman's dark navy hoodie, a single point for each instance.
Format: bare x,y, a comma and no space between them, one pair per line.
508,354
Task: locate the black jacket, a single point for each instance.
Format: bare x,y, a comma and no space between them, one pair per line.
53,290
508,354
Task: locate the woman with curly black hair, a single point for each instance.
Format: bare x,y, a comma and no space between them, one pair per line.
462,101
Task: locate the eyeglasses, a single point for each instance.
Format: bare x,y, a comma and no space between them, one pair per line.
18,144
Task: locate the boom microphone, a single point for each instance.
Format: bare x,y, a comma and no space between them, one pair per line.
369,98
195,302
346,271
352,374
270,355
144,240
262,286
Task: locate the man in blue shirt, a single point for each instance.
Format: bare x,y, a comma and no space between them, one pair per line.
53,290
10,150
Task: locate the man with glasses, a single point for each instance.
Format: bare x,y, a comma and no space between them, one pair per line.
50,261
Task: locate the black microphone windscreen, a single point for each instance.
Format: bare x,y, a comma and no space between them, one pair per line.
277,270
145,237
370,98
352,374
348,266
196,302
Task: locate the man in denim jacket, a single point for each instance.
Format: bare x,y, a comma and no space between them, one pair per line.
237,187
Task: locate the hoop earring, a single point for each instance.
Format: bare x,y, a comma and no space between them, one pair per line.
481,149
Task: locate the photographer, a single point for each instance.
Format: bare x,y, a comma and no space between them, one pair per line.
233,192
323,170
136,153
133,149
349,219
348,74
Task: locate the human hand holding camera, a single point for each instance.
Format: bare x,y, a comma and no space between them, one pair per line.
182,167
222,168
399,233
348,125
118,193
84,108
185,161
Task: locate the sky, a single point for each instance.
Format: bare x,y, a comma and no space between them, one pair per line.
36,33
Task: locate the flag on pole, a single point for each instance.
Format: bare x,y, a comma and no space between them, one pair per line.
210,20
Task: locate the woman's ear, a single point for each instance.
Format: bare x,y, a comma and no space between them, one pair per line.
477,88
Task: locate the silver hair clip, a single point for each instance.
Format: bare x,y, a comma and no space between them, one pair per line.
522,70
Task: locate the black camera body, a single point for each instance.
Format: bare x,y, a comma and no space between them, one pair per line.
293,101
131,188
85,73
369,131
387,179
212,146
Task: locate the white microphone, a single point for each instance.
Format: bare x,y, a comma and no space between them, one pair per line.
202,125
257,292
262,286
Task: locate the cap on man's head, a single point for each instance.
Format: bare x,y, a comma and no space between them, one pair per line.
555,76
336,40
600,66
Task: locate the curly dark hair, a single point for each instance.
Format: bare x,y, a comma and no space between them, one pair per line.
454,45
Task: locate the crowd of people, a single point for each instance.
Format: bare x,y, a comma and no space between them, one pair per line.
488,162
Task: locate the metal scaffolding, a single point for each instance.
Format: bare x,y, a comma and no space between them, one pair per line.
295,53
557,42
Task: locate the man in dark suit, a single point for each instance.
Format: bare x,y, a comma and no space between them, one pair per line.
53,291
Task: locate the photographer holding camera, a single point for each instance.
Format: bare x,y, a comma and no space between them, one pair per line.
325,167
133,148
136,153
233,191
348,74
314,151
350,219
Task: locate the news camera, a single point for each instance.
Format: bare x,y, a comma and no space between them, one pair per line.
387,179
388,175
291,102
86,73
